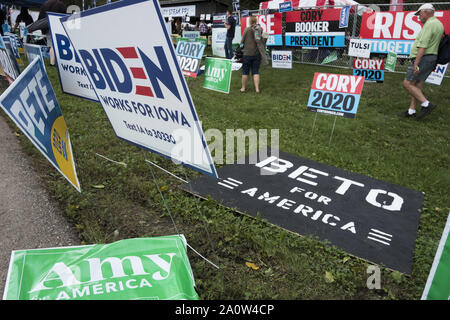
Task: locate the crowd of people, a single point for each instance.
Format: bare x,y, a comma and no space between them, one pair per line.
200,25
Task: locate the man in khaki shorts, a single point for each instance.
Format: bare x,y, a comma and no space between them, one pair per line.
424,56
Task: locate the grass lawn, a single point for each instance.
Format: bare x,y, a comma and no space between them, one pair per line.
120,202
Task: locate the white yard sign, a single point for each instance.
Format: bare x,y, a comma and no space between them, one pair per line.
138,80
359,48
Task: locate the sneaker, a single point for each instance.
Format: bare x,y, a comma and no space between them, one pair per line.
405,114
426,111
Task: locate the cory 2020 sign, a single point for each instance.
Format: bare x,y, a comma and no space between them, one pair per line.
369,218
335,94
371,69
138,80
189,56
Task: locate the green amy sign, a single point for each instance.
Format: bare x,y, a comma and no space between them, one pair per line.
438,283
217,74
141,268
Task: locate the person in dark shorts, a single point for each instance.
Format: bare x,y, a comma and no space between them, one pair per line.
423,57
251,55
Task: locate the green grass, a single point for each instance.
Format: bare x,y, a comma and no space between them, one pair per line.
377,143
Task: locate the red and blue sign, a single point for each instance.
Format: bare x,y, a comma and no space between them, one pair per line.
314,28
371,69
335,94
189,56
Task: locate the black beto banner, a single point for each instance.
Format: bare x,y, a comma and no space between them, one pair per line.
368,218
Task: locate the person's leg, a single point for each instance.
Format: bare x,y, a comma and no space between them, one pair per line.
245,71
413,83
256,82
414,101
255,72
244,82
414,90
228,48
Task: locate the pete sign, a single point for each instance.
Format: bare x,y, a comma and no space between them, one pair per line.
282,59
189,56
138,81
335,94
31,103
142,268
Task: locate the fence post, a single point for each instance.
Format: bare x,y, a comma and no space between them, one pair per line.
355,18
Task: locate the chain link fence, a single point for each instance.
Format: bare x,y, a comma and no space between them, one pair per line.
338,57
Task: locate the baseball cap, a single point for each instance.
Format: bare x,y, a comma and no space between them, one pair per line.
425,6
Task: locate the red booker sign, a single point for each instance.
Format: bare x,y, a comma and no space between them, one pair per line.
395,31
271,24
335,94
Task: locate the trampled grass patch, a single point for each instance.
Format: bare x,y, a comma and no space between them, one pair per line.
120,202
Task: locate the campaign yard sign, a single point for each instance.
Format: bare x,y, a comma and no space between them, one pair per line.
359,48
189,55
191,35
344,15
9,64
271,24
314,28
335,94
72,76
395,30
391,61
31,103
142,268
32,51
438,283
371,69
437,75
285,6
11,42
281,59
366,217
138,81
218,74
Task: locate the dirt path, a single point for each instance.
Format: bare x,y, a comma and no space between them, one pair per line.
28,217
